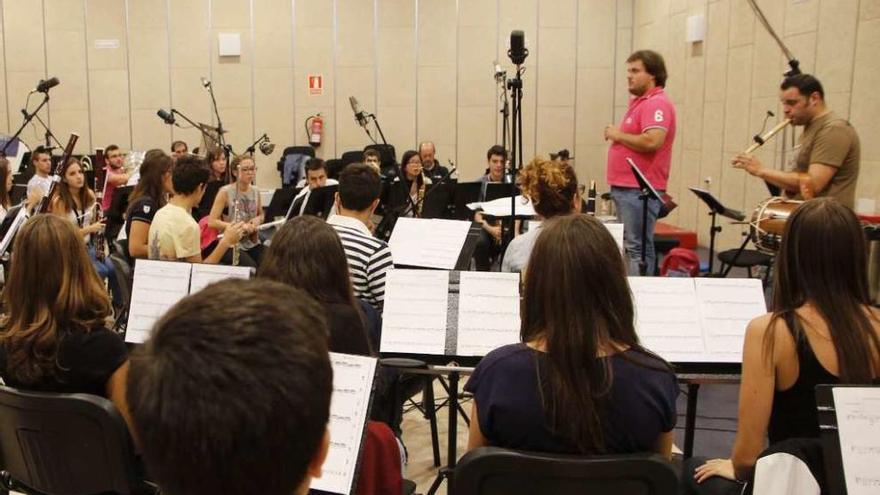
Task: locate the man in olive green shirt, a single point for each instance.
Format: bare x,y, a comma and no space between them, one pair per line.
827,162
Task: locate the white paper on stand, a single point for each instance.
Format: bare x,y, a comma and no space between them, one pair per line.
666,318
501,207
158,285
616,230
349,405
858,426
726,307
488,312
204,275
430,243
414,317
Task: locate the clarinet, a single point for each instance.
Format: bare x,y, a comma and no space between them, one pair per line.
98,239
591,199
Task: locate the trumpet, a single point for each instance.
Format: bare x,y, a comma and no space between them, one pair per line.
760,140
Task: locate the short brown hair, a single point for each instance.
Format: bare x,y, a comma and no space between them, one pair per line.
654,65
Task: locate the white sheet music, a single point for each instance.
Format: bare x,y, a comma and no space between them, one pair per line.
666,318
858,425
158,285
352,384
501,207
204,275
727,305
488,312
616,230
696,319
17,222
431,243
414,318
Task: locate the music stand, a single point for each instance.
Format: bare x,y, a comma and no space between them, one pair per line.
321,201
648,193
438,197
465,193
715,209
281,201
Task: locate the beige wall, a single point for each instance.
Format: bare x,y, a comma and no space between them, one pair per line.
723,87
423,66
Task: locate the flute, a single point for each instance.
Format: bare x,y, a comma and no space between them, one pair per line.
760,140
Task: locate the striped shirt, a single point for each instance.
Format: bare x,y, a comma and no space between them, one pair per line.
368,258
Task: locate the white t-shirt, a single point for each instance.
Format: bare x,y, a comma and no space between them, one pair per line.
41,183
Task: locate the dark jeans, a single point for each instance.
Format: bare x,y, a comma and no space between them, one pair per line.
485,252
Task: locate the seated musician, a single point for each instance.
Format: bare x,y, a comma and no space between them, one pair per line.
74,200
316,176
580,382
413,186
41,181
827,162
552,187
149,195
174,234
54,337
489,245
373,159
245,414
116,176
178,149
216,160
823,331
242,199
430,166
307,254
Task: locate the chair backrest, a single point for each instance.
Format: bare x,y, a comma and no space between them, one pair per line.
386,152
352,157
333,167
124,274
489,470
65,443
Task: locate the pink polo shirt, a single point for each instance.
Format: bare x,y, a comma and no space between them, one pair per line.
653,110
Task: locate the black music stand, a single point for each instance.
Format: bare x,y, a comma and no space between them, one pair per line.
465,193
648,193
715,209
281,201
321,201
437,199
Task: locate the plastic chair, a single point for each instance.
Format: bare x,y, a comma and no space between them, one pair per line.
70,444
352,157
493,470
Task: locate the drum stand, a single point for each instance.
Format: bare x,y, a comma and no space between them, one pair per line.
739,251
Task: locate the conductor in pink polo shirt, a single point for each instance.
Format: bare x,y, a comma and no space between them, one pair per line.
645,136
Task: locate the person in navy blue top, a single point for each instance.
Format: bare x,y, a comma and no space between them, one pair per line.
580,382
822,331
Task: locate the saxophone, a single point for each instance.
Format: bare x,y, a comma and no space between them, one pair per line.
420,198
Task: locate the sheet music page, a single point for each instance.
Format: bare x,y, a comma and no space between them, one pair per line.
501,207
667,320
430,243
727,305
858,425
158,285
488,312
349,404
17,222
204,275
414,318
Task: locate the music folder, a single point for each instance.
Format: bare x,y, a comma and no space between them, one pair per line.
350,404
159,285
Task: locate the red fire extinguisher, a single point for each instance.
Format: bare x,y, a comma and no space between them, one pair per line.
314,129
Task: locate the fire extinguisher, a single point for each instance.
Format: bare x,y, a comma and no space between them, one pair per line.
314,129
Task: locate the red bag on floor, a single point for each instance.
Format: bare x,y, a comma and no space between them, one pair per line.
680,262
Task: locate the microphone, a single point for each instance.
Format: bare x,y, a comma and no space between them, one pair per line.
518,51
358,114
45,85
206,83
166,117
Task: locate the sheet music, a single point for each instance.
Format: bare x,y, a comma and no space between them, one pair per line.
17,222
431,243
204,275
616,230
666,318
858,425
414,318
727,305
501,207
158,285
488,312
349,405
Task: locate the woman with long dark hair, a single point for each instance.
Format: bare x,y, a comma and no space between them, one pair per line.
822,330
307,254
580,382
415,182
54,336
150,194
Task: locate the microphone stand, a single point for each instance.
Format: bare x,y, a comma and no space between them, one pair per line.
27,120
378,128
220,137
515,85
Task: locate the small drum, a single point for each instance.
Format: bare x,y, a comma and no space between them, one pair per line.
768,222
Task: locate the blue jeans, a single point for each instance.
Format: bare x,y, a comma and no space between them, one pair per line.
107,272
629,211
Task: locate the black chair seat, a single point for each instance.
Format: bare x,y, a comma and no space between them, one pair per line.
747,258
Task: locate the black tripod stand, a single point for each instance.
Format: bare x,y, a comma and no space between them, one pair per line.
715,209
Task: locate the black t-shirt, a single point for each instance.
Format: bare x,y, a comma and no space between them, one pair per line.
142,210
640,407
85,363
347,332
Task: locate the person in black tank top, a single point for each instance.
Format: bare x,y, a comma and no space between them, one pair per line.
820,293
